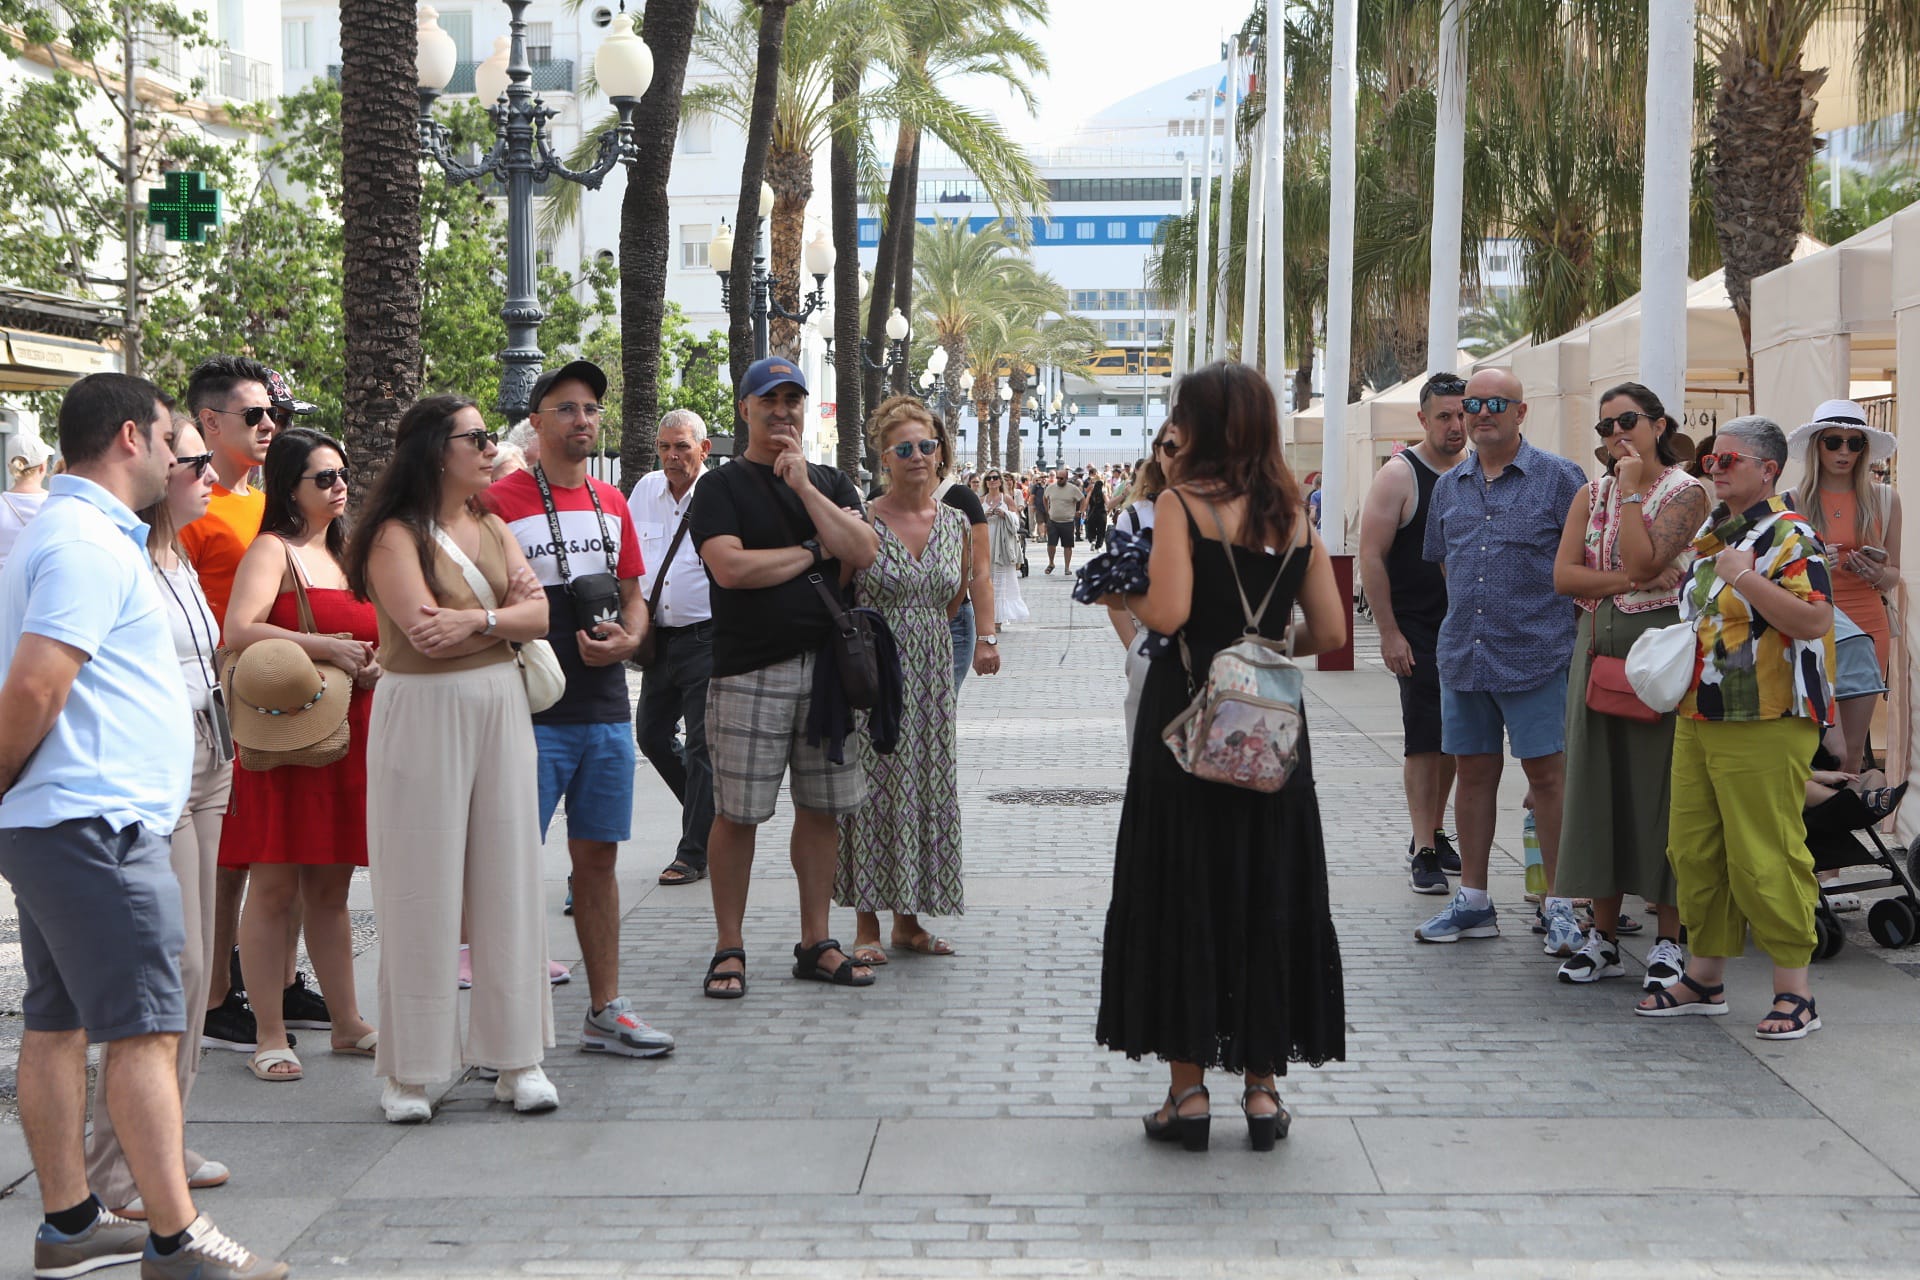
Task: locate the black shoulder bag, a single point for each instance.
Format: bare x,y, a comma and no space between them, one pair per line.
649,651
595,596
852,645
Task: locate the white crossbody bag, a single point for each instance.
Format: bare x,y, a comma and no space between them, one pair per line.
539,666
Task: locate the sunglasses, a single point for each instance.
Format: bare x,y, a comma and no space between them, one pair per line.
1167,447
198,461
1834,444
1623,421
1492,404
330,477
480,439
253,414
1441,384
906,448
1712,462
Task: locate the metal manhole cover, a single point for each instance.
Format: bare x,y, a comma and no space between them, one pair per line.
1066,797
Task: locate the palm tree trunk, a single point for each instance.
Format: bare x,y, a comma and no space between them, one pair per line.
646,234
903,255
790,174
1762,128
380,210
1016,383
844,189
766,84
880,297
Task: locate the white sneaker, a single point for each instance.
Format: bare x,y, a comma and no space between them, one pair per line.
528,1089
1665,963
1596,959
1564,935
405,1103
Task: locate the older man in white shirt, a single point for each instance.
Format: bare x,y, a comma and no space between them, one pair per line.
674,688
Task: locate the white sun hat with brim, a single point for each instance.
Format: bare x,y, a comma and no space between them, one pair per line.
1844,415
29,449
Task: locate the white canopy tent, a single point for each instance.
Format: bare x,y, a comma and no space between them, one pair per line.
1822,324
1904,302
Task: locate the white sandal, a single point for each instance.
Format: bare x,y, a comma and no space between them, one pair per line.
261,1062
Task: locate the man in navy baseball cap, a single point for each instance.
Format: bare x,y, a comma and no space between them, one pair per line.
763,376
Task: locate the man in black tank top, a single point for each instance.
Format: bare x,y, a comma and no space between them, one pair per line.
1409,598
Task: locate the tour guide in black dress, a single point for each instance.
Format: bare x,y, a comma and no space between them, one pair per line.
1220,951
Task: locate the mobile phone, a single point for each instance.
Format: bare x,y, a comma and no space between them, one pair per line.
1873,553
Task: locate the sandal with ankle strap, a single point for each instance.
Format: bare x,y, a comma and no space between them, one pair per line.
1802,1017
710,985
1189,1131
1262,1130
1711,1002
806,965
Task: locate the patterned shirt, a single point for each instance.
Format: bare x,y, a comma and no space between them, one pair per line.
1506,629
1745,668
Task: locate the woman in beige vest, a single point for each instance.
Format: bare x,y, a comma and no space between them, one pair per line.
452,814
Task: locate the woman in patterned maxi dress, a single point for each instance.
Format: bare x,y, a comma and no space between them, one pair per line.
901,852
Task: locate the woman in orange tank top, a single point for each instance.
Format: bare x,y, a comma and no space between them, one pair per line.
1859,520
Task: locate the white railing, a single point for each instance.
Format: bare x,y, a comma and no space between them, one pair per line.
223,73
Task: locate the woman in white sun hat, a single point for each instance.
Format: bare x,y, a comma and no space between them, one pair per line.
1859,520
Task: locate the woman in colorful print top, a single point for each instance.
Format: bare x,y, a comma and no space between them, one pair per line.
1743,743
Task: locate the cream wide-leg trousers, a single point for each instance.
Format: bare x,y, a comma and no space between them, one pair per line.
453,826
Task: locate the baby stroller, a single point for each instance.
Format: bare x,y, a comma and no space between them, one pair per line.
1834,828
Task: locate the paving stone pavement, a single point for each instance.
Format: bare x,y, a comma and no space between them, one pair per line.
958,1120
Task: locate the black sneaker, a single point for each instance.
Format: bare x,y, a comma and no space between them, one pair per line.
230,1025
1424,874
303,1007
236,981
1449,856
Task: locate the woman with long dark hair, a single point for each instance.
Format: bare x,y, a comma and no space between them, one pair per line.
1220,951
452,804
1626,548
300,832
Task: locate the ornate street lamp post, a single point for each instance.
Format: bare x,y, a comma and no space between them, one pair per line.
897,333
523,156
1057,417
761,304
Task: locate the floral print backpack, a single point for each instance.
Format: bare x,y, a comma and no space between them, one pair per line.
1243,726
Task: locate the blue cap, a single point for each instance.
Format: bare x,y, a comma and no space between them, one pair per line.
763,376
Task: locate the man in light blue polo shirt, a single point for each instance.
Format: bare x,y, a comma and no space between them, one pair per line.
96,749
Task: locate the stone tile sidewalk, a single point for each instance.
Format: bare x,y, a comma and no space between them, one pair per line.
958,1120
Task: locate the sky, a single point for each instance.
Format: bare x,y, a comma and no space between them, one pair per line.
1103,50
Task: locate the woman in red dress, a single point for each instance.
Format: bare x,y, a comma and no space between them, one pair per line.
302,831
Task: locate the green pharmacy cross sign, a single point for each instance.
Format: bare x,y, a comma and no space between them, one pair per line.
186,206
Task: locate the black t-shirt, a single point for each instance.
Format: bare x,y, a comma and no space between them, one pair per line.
966,502
758,627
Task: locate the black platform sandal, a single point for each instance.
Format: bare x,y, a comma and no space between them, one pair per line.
710,987
1709,1002
1262,1130
806,965
1189,1131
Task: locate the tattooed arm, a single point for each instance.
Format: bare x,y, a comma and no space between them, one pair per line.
1646,551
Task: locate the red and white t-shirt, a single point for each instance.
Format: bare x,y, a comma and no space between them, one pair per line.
595,695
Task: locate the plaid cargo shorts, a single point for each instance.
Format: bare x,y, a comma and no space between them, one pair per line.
756,728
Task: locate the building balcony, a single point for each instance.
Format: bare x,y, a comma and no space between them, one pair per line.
223,74
550,75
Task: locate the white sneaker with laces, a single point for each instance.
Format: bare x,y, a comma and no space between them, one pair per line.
1596,959
1665,963
528,1089
1564,935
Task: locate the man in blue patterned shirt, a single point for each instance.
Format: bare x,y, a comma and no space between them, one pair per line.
1494,528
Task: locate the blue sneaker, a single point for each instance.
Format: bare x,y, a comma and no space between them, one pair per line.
1460,921
568,909
1449,856
1564,935
1424,874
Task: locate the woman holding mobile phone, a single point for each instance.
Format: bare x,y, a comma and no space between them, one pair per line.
1859,520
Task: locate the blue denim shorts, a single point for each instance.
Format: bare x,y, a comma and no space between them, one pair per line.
101,929
1534,720
592,766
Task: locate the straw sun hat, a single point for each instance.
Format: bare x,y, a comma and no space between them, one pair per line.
1844,415
282,701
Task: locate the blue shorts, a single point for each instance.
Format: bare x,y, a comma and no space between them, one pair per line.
592,765
1535,720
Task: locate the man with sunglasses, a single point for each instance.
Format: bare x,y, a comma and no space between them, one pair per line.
1505,644
1409,598
239,405
778,535
1065,503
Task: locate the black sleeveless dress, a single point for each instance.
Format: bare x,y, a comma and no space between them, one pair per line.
1219,946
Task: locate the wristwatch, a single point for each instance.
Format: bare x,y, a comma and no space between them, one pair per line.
491,622
992,640
813,545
